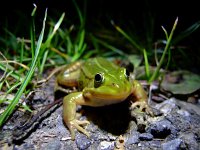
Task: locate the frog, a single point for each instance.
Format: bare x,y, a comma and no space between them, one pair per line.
97,82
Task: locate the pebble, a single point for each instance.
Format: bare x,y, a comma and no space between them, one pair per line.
82,142
52,145
190,140
105,145
161,129
133,138
167,106
172,145
146,137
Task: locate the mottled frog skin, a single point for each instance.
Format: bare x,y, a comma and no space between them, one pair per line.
99,82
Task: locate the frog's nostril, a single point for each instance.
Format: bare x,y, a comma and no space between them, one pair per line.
115,85
87,95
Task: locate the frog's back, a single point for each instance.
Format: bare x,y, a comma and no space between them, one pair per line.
98,65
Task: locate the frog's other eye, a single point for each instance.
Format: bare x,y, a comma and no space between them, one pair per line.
98,79
127,74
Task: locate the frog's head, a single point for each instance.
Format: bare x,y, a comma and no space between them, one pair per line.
109,87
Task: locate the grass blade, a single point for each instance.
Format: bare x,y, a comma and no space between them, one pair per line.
19,93
127,37
155,74
187,32
146,64
32,31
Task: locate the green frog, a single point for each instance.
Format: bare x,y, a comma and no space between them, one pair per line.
98,82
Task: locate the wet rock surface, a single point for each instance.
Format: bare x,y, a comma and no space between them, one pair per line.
176,125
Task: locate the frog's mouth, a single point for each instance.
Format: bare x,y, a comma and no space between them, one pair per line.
102,97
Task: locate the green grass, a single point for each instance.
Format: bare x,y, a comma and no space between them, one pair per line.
148,51
39,52
166,49
26,67
56,45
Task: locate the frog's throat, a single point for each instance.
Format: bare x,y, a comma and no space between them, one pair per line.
99,99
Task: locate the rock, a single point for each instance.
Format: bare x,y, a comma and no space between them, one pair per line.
99,136
26,146
197,133
172,145
133,138
82,142
105,145
167,106
155,144
178,121
161,129
189,106
146,137
53,145
189,140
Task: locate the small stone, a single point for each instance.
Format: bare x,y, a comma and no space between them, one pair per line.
133,138
28,146
82,142
172,145
190,140
146,137
105,145
179,122
192,99
52,145
99,136
155,143
166,106
111,137
183,113
161,129
157,112
198,101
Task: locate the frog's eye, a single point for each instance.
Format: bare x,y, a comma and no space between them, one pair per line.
98,79
127,74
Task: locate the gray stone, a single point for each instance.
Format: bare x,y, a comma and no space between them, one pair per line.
166,106
161,129
105,145
133,138
52,145
189,140
146,137
172,145
82,142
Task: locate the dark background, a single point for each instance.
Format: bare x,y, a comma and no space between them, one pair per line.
164,12
13,13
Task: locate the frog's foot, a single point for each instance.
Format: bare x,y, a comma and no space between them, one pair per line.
77,125
142,106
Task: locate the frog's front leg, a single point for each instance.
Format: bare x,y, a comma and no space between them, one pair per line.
69,113
140,97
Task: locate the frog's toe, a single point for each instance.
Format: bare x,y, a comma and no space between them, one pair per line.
142,105
82,122
77,125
